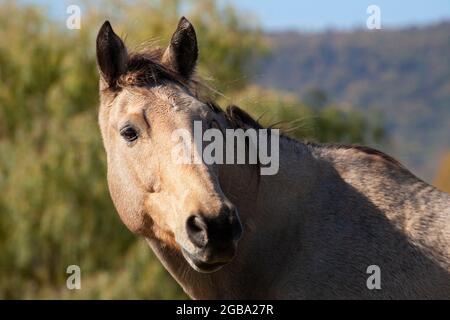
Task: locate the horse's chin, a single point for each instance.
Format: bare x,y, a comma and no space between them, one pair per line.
201,266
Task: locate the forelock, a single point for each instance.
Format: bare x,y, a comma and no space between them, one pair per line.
144,69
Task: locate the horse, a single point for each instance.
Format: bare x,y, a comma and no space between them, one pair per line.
335,222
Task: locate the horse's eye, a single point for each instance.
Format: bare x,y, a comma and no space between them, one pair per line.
129,133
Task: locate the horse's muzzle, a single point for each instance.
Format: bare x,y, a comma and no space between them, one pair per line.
214,238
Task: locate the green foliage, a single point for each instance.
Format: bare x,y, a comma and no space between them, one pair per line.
316,98
55,210
330,123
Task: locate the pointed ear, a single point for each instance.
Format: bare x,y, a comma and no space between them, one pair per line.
111,54
182,53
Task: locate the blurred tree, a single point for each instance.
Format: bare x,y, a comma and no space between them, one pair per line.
442,178
315,98
55,210
298,119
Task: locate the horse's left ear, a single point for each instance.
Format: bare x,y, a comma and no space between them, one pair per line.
182,53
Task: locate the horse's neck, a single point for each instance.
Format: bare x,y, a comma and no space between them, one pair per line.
268,208
294,221
264,201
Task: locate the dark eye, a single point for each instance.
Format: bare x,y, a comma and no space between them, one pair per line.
129,133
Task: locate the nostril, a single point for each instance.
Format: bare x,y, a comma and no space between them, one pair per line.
197,231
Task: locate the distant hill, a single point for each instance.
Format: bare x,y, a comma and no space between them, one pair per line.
404,74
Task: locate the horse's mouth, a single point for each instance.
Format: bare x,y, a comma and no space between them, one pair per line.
202,266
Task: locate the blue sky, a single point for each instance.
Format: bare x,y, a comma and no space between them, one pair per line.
323,14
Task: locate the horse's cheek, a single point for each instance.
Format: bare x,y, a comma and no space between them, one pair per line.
128,205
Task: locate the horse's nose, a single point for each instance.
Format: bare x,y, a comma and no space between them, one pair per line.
219,231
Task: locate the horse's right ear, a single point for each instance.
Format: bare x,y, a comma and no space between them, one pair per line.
111,55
